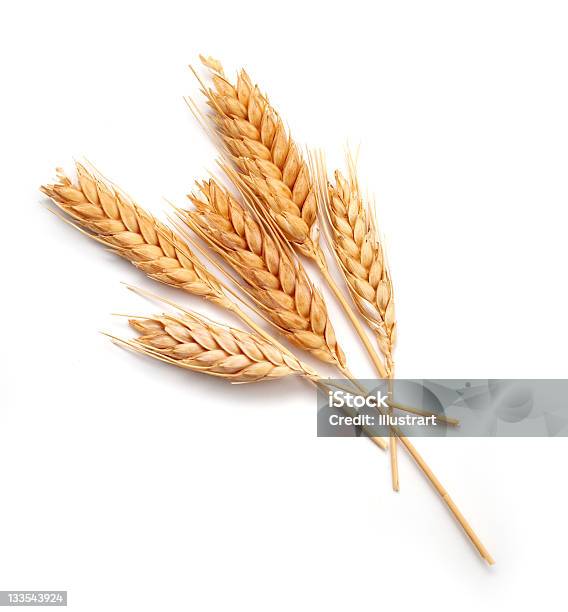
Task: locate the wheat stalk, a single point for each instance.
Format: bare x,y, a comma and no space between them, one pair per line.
275,279
271,166
113,219
358,249
195,343
356,243
445,496
268,159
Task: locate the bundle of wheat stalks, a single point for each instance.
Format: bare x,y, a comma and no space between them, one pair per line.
281,206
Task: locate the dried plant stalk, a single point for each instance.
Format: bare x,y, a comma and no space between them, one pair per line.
192,342
361,256
474,538
275,278
268,159
355,241
195,343
113,219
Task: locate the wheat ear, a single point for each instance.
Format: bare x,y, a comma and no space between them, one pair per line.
271,165
268,159
113,219
274,277
195,343
359,251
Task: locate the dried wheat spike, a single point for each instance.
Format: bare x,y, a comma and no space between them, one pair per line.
115,220
269,161
275,278
356,242
195,343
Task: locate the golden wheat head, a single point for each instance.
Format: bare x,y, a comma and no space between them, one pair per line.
356,242
275,278
269,161
112,218
192,342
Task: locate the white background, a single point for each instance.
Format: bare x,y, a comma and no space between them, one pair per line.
136,486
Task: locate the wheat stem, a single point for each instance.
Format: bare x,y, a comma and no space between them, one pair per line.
446,498
394,463
393,454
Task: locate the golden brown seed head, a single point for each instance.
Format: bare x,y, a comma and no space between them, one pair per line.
274,276
266,156
114,219
194,343
360,252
